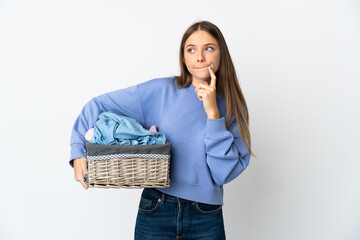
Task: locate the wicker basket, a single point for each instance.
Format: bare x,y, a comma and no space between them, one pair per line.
128,166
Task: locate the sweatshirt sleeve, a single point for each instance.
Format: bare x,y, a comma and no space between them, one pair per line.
225,154
123,102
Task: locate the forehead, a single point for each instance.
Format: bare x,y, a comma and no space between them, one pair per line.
200,37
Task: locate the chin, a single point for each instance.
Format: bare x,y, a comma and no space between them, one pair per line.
202,76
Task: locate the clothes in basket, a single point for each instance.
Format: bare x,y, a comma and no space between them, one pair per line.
114,129
90,133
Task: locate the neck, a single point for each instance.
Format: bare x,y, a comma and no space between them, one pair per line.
196,82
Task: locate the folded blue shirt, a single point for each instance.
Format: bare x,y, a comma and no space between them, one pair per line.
117,129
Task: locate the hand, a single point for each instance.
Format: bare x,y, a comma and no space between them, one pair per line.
80,169
207,94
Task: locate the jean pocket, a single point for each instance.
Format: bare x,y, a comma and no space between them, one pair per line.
148,202
208,208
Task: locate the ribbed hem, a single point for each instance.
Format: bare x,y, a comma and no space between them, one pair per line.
194,192
77,151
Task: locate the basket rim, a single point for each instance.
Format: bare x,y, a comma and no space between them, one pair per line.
94,149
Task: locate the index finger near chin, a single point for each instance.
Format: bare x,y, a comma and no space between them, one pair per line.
213,79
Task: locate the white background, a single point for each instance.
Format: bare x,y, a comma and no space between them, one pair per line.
298,66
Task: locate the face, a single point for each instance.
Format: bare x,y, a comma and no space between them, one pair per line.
201,50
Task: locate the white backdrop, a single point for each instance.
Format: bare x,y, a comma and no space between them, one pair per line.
298,66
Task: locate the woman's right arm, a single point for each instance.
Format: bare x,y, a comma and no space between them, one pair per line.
123,102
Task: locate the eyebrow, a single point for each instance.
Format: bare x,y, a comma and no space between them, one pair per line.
189,45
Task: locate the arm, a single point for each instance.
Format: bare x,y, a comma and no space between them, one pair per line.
123,102
226,155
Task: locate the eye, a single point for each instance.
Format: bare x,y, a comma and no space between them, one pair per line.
209,47
189,50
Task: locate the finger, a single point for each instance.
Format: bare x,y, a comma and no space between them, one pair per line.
213,77
203,85
202,93
81,176
85,172
203,90
83,183
84,169
200,97
85,175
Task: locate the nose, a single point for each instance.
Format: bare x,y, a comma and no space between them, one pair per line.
200,57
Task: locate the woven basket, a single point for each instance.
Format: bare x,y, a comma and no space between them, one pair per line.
128,166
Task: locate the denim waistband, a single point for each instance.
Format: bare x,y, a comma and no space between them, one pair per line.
165,197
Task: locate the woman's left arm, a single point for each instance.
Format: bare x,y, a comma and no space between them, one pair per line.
226,155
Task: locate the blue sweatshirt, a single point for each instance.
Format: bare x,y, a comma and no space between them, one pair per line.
204,156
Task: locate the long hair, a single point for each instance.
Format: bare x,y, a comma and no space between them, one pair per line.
226,80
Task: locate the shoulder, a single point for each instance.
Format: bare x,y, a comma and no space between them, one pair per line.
156,83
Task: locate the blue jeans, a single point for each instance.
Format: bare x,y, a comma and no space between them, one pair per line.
164,217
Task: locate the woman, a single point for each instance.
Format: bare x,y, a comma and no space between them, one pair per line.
203,113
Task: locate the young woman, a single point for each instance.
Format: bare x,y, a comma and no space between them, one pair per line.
203,113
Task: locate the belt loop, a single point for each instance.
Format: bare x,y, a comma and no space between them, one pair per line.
162,198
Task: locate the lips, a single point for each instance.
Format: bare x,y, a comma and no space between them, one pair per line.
201,67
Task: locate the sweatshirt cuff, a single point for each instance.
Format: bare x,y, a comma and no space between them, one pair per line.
215,127
77,151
